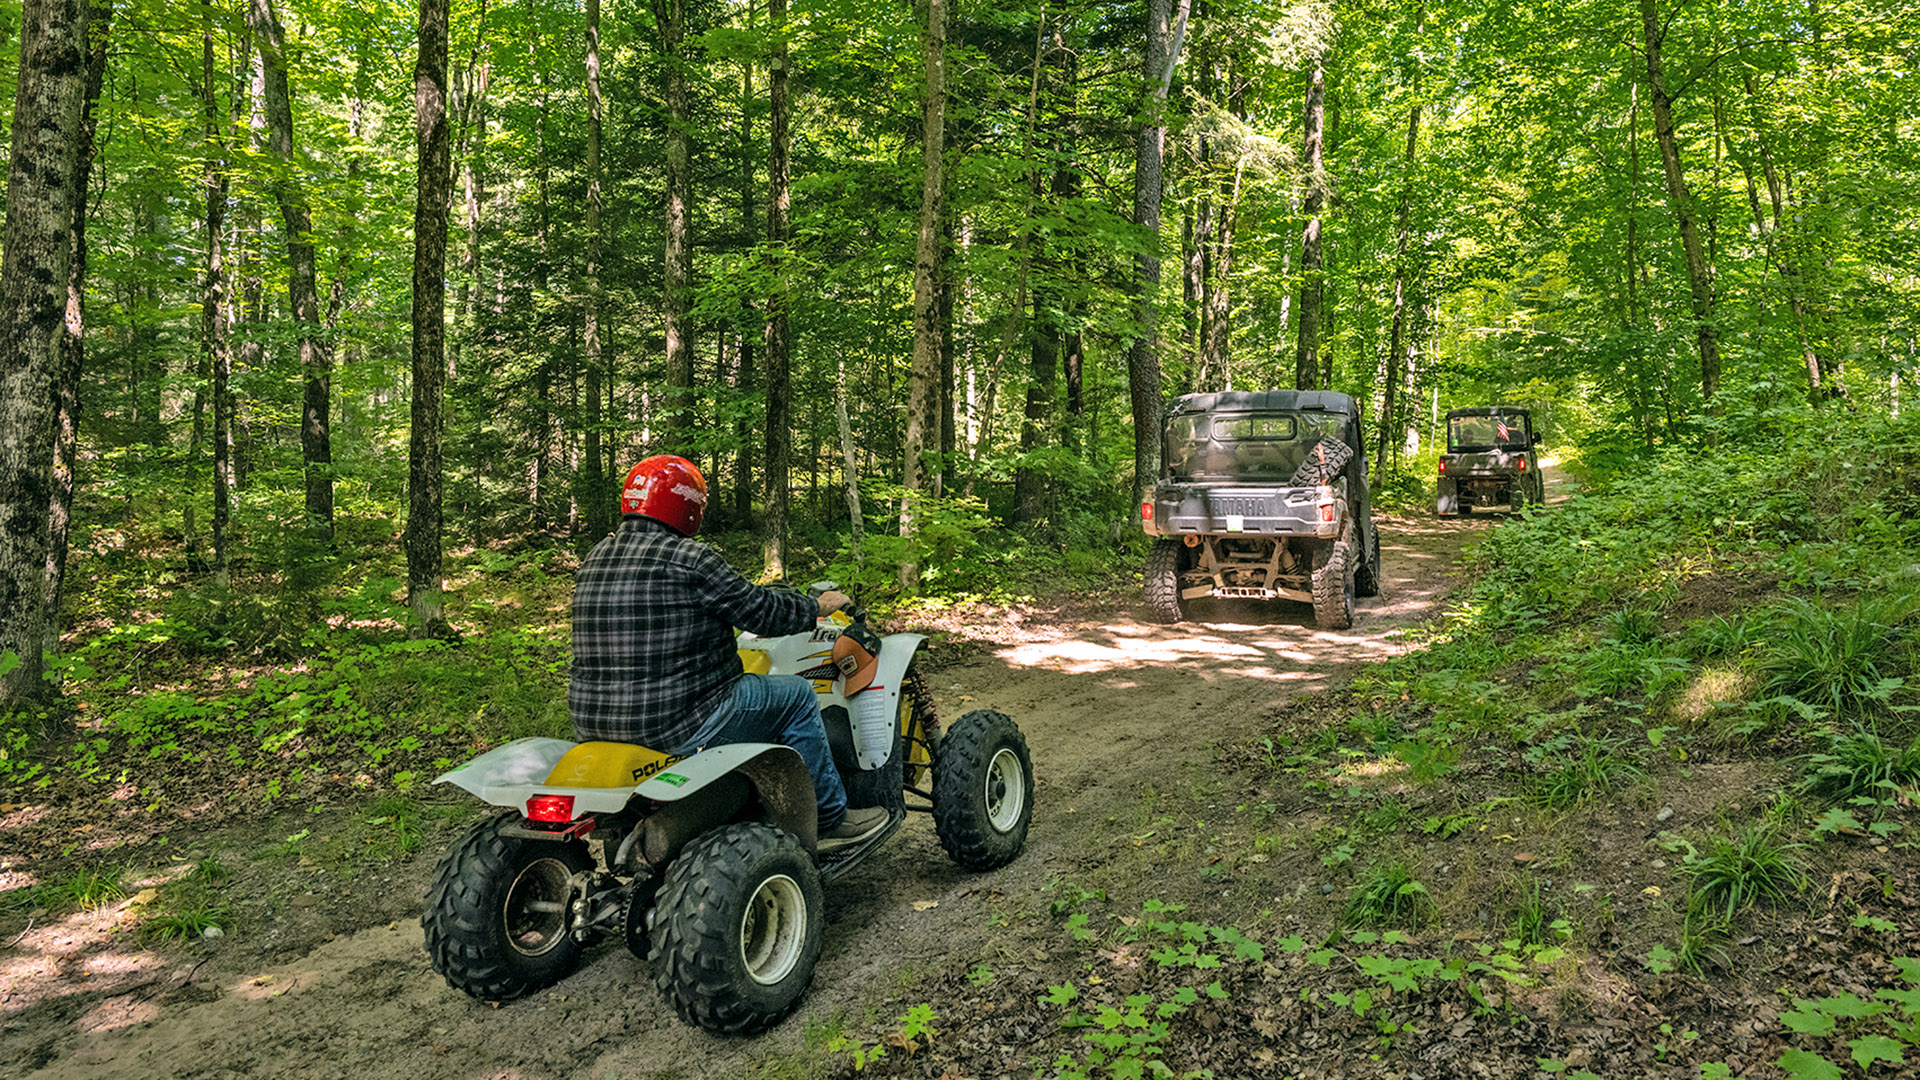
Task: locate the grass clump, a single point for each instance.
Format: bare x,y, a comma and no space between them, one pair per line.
1388,895
1863,764
1579,768
1839,659
1735,873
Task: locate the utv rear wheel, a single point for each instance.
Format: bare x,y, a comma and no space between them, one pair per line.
737,929
1163,580
496,918
982,790
1332,588
1366,577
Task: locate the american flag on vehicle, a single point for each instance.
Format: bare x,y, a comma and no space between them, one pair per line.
1500,426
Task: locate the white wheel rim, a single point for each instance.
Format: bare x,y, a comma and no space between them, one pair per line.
773,930
1006,790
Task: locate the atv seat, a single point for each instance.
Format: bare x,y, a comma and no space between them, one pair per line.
607,765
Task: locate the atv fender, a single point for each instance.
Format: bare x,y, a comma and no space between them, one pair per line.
889,679
510,774
776,772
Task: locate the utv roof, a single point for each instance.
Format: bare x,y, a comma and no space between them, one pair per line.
1262,400
1488,410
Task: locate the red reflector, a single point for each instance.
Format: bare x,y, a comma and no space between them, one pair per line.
1146,511
554,809
1523,464
1443,466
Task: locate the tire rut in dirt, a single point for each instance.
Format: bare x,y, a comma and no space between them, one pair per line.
1163,580
1332,588
981,808
481,935
703,930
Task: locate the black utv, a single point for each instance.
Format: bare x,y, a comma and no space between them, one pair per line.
1263,495
1490,460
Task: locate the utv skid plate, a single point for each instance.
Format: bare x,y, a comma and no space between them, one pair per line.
1245,592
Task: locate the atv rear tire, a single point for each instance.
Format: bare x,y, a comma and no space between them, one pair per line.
982,790
737,929
1163,580
496,917
1366,577
1332,587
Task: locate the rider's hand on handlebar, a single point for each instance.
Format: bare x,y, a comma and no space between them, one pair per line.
833,600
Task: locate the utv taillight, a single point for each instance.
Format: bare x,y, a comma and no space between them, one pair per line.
1146,511
1326,513
1523,464
1443,466
552,809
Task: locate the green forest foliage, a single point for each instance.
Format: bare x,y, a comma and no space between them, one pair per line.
1495,167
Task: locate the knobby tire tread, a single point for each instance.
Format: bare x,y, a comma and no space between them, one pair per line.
464,901
1332,602
959,815
1163,581
693,939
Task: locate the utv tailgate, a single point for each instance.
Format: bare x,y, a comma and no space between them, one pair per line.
1255,510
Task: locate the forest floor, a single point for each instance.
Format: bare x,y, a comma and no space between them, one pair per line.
1146,742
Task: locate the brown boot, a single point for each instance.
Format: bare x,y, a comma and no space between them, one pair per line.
858,825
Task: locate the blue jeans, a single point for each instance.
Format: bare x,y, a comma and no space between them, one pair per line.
778,709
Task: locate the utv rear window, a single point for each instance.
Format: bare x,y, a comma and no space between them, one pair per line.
1246,428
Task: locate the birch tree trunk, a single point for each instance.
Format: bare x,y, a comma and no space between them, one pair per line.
598,504
1680,201
432,191
923,396
1306,355
213,305
41,196
679,261
316,353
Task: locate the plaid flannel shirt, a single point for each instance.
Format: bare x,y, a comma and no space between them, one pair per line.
653,619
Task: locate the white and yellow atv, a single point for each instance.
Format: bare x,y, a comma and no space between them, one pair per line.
707,866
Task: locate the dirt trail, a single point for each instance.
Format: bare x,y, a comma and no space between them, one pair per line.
1107,701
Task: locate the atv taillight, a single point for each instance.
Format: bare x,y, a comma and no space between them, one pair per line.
552,809
1146,511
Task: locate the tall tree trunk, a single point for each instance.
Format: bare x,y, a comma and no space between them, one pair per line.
672,16
41,197
316,353
779,435
923,395
1392,429
537,493
1699,273
473,183
433,190
217,350
1162,49
1780,248
850,466
1306,356
66,427
598,504
744,379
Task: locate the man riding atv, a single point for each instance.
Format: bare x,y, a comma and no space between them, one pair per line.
653,647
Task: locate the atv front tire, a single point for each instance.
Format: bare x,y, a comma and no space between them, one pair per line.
496,917
982,790
1366,577
737,929
1163,580
1332,587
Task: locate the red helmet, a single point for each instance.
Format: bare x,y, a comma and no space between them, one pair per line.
667,489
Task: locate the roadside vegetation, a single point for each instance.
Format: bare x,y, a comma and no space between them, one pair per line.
1640,804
